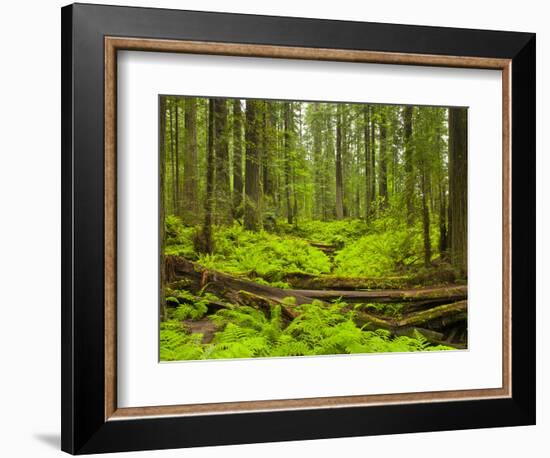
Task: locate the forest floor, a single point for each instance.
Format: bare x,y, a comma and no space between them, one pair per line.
308,289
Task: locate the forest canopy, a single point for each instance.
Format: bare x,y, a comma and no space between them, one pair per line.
286,225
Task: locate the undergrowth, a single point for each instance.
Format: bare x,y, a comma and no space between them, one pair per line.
246,332
384,248
388,248
262,256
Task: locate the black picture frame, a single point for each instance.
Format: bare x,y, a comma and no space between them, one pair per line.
84,428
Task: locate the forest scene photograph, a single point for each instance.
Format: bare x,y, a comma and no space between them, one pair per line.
293,228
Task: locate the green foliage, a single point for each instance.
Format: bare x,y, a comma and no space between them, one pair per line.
296,150
389,248
190,311
335,233
182,305
176,345
263,255
246,332
179,238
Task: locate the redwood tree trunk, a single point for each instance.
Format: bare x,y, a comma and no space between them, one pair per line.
190,201
409,177
221,147
383,162
207,244
288,142
368,163
162,205
458,182
237,157
252,213
339,171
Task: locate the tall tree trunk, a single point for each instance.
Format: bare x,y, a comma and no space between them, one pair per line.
288,143
409,171
252,210
394,151
458,182
383,161
339,171
172,156
221,147
442,223
268,148
317,163
190,203
207,245
345,160
177,207
373,160
368,163
237,158
328,164
425,216
162,206
294,153
442,193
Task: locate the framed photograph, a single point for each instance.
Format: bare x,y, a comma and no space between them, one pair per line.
282,228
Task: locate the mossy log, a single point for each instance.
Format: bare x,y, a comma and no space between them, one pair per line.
445,294
300,280
241,291
438,317
225,285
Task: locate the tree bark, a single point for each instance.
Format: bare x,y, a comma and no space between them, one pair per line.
383,161
373,160
339,171
162,207
221,147
288,144
317,162
409,174
190,204
425,217
177,202
170,104
368,162
458,183
252,210
237,158
206,245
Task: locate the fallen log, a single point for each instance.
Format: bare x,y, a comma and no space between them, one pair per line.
179,268
435,318
241,291
224,284
440,317
426,295
300,280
